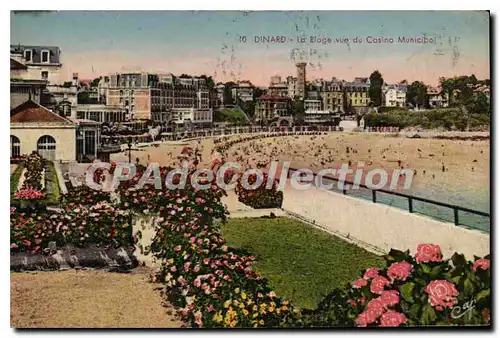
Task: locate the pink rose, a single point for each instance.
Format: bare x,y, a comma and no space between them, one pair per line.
399,271
197,282
359,283
392,318
377,306
482,263
441,293
365,318
378,284
390,298
428,253
370,273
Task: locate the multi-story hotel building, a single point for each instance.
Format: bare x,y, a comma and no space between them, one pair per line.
271,107
332,95
135,93
243,91
357,93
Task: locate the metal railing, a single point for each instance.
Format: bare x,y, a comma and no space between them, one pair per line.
481,223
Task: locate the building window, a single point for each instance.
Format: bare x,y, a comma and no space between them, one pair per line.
45,56
45,75
46,147
15,146
28,55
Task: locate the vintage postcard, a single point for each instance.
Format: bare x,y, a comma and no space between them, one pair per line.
250,169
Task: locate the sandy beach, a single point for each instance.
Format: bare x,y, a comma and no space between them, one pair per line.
455,171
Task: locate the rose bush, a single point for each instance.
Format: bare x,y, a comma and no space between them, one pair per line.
33,164
78,225
261,197
419,290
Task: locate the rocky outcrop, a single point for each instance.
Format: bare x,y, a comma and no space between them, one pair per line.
112,259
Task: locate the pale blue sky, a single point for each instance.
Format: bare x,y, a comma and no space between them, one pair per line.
208,42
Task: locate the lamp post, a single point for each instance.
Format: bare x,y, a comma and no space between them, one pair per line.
129,144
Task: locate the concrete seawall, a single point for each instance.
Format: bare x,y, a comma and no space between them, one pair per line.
381,226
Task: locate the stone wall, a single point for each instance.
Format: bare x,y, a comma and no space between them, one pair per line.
382,226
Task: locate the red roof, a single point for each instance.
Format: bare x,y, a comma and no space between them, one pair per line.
30,111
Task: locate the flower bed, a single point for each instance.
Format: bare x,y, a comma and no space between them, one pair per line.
33,182
78,225
17,160
260,198
412,290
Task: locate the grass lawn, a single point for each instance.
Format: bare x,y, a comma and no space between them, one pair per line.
52,189
14,180
301,263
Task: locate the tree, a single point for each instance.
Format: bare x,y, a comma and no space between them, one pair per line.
297,109
83,97
209,82
447,88
95,82
417,94
462,93
227,95
249,108
375,91
258,92
346,103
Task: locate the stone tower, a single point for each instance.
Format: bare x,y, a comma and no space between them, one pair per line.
301,79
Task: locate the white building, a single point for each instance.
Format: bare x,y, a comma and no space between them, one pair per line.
320,116
184,116
394,96
313,105
36,128
42,62
436,100
243,91
101,113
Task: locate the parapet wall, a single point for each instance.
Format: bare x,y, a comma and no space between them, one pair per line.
382,226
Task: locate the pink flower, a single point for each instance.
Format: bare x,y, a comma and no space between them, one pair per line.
392,318
13,246
441,293
428,253
482,263
377,306
196,268
390,298
370,273
399,271
359,283
186,266
197,282
378,284
210,307
366,317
